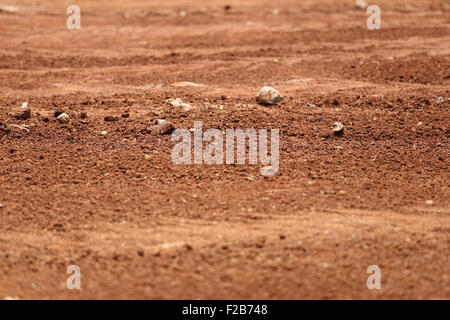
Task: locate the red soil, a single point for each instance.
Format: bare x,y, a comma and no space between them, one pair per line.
378,195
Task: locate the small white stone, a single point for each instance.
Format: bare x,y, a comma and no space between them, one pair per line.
175,102
187,84
268,171
103,133
338,128
183,13
180,103
63,118
8,8
170,247
268,96
429,202
439,100
361,4
24,105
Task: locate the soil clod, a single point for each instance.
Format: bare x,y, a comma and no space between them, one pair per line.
111,118
24,113
161,126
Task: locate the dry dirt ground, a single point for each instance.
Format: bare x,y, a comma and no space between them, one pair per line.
139,226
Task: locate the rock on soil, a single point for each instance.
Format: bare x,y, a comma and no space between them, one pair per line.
18,128
268,171
8,8
180,103
338,129
63,118
111,118
161,126
268,96
24,113
361,4
57,113
170,247
187,84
